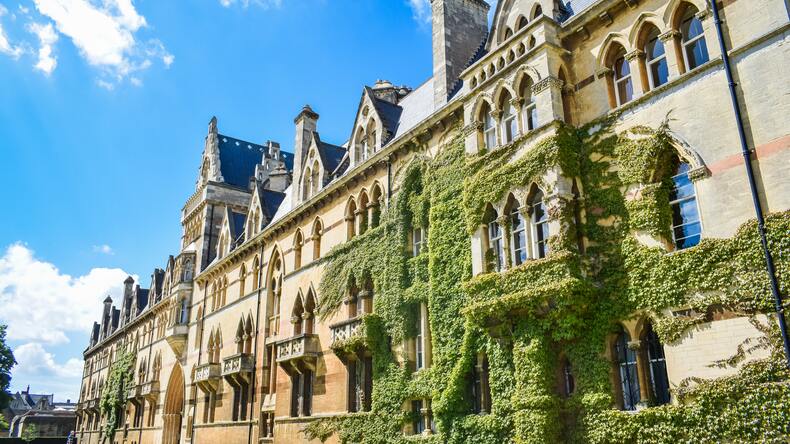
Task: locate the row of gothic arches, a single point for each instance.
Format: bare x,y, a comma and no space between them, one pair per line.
364,211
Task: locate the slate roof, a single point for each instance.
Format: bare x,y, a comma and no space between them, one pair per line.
388,112
236,225
271,202
142,299
238,159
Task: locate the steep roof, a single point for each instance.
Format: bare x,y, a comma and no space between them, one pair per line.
331,155
238,159
270,202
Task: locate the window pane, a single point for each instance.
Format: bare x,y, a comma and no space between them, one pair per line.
624,90
697,53
659,72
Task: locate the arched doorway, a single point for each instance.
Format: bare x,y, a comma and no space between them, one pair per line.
174,407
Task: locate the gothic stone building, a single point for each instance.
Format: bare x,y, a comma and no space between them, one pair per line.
552,239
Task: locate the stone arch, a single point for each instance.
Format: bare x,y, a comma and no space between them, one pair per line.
676,8
535,11
644,19
174,407
502,88
482,104
610,43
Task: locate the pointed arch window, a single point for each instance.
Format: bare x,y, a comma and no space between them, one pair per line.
315,179
519,245
656,59
351,226
623,85
529,110
695,49
298,242
686,226
489,127
242,280
318,231
626,362
509,121
479,390
275,296
540,226
495,241
659,380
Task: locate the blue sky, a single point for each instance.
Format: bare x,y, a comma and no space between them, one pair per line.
104,105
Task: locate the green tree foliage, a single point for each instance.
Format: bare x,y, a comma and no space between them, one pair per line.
29,433
7,361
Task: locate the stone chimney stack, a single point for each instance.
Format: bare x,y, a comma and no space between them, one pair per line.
306,123
459,28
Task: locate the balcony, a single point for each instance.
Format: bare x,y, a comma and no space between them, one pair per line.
207,377
298,353
133,393
92,404
176,336
238,368
149,390
343,333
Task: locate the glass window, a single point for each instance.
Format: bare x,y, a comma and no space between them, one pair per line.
686,227
509,123
489,130
540,227
495,243
657,69
659,380
695,50
419,346
419,422
627,371
419,238
530,114
623,86
519,232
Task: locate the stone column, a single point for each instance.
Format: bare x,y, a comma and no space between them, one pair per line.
636,63
674,56
709,28
548,100
641,372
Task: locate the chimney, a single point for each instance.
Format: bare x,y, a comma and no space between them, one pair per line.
459,28
306,123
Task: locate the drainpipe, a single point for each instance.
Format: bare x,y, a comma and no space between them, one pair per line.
255,349
747,161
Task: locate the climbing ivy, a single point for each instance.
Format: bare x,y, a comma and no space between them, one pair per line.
113,397
567,304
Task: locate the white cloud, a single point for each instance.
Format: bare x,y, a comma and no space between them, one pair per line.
5,44
105,35
41,304
47,38
421,10
38,368
104,248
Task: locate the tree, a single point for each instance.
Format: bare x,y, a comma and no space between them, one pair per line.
7,361
29,433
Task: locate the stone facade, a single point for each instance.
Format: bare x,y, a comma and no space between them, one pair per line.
227,344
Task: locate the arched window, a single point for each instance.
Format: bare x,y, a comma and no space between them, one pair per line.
318,231
308,317
521,22
315,179
275,295
242,280
256,268
298,242
508,34
529,109
249,330
296,316
626,362
351,216
375,206
567,381
495,241
623,85
360,146
538,12
479,390
531,42
695,49
224,291
489,126
659,380
372,139
540,225
307,184
686,226
362,213
518,234
509,122
655,58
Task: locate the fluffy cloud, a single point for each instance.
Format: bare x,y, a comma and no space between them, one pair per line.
41,304
37,367
47,38
107,33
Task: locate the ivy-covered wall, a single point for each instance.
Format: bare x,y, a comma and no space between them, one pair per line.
567,304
